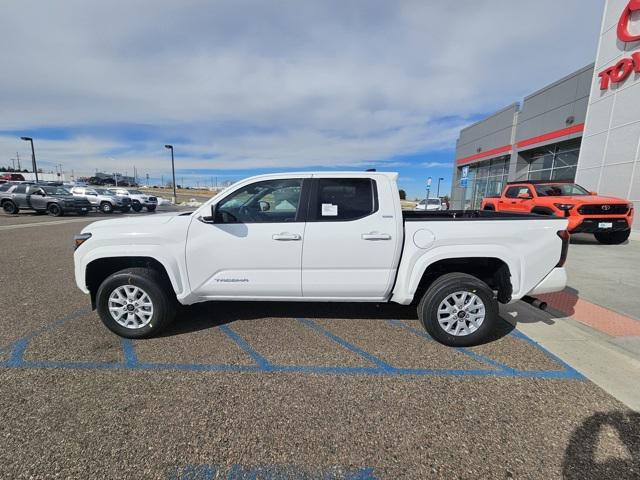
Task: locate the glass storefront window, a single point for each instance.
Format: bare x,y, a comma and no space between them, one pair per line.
485,178
555,162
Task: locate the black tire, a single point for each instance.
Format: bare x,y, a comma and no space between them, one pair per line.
136,206
106,207
125,209
154,285
55,210
436,294
151,208
9,207
489,207
612,238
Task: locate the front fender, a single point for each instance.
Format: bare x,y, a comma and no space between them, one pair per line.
175,270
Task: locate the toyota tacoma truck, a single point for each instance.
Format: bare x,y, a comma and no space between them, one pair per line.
138,199
325,237
608,218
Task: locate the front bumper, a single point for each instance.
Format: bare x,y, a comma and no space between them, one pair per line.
555,281
592,225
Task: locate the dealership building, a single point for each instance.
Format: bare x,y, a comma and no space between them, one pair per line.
584,127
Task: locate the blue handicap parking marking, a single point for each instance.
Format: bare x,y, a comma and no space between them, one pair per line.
268,472
14,357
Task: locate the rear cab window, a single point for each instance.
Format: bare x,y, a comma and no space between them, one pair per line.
343,199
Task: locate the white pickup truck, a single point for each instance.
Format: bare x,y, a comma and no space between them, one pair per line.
328,237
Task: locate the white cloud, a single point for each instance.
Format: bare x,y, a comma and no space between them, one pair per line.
253,83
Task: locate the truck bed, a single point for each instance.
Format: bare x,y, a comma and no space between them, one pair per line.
441,215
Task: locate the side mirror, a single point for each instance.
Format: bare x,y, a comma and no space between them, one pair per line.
593,193
524,196
264,206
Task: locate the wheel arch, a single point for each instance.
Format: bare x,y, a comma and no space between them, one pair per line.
494,271
543,211
99,269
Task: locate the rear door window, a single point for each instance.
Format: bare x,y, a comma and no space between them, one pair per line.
344,199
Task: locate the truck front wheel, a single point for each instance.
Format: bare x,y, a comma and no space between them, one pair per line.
458,310
133,303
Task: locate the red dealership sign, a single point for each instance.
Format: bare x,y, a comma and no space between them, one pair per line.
620,71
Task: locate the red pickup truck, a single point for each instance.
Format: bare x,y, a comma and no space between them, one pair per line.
608,218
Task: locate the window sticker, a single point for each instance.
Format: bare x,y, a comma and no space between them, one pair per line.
329,210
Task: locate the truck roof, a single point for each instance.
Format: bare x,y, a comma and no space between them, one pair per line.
346,173
539,182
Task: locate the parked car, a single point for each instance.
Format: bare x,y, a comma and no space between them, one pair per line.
320,237
56,201
608,218
101,199
138,199
431,204
11,177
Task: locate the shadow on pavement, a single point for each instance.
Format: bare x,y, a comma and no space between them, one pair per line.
580,460
213,314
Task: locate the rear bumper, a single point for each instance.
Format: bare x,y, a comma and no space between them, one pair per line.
555,281
592,225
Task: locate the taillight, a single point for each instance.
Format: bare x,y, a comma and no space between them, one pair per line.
565,236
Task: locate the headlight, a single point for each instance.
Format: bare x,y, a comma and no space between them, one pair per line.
564,206
80,239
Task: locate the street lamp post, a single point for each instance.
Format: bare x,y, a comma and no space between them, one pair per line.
173,172
33,156
439,180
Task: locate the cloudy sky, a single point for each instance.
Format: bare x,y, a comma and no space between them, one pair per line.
243,87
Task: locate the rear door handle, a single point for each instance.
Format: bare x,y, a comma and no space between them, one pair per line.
286,237
376,236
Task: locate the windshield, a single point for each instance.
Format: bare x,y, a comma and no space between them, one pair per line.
102,191
55,190
560,190
434,201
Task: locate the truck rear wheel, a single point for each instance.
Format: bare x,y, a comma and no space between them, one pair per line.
612,238
137,206
458,310
133,303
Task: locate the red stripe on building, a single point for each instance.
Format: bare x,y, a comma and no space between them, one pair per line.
551,135
488,153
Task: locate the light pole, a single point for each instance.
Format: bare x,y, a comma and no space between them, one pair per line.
428,190
439,180
33,155
173,172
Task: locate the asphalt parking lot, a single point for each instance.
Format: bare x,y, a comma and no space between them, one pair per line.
250,390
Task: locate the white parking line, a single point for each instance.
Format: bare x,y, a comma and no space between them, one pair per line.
45,223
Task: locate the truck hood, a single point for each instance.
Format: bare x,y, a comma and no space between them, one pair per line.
590,199
132,224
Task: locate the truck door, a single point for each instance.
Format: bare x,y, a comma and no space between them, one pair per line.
517,199
252,246
351,239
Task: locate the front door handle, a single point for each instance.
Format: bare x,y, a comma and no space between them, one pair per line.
286,237
376,236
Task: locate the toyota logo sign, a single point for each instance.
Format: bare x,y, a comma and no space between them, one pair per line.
606,207
623,23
